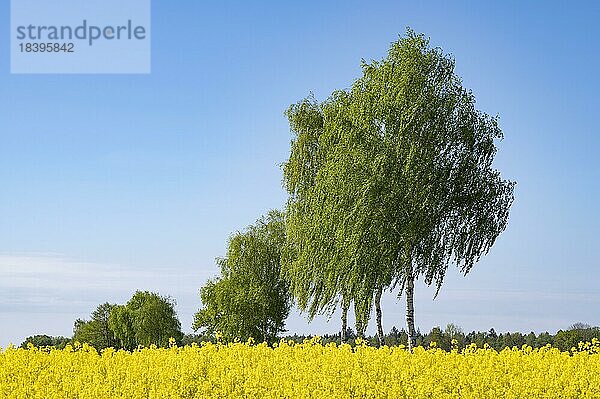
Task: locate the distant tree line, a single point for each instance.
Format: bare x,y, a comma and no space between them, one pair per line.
451,337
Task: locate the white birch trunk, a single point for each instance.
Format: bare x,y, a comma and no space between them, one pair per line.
378,316
410,310
343,337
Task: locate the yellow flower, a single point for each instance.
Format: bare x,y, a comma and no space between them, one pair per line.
307,370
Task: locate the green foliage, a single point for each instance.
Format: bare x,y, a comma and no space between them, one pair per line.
249,299
436,336
96,331
42,340
390,181
567,339
452,337
147,319
121,324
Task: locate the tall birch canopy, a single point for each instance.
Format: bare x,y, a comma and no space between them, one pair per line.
390,181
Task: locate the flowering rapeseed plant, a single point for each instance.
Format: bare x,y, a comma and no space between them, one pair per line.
308,370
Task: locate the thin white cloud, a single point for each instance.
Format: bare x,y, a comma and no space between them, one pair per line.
63,289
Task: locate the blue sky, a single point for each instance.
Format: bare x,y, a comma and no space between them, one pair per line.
112,183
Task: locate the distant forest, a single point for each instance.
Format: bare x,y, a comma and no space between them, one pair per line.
451,337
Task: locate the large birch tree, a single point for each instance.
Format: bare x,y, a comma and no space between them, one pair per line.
391,181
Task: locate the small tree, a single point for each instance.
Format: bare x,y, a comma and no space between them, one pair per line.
580,326
147,319
249,299
42,340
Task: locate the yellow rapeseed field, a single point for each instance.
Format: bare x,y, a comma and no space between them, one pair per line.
308,370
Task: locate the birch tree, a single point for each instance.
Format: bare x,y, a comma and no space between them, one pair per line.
248,299
391,181
318,260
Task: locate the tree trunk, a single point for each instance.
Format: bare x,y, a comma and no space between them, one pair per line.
410,310
361,324
343,336
378,315
360,329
